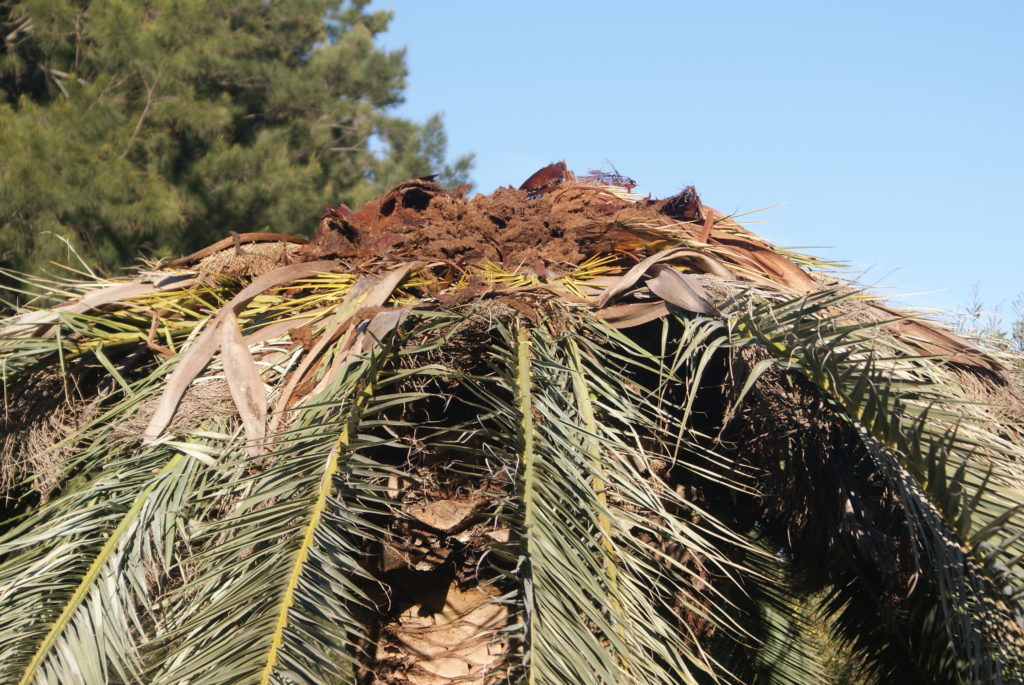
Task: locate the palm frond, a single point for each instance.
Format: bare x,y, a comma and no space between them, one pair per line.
279,586
76,573
616,569
936,452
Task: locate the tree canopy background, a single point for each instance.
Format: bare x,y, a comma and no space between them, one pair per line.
158,127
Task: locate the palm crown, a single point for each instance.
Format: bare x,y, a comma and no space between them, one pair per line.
560,434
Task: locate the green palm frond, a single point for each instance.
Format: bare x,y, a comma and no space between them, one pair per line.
278,585
609,594
939,455
76,570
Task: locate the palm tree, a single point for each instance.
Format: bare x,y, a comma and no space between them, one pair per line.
561,434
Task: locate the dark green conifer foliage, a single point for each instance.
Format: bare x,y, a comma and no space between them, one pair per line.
158,127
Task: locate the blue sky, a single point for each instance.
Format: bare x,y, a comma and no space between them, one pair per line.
889,134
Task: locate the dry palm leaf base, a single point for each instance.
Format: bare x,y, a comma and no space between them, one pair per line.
559,434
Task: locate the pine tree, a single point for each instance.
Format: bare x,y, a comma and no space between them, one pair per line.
154,126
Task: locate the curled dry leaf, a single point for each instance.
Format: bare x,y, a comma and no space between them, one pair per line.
680,290
631,277
202,349
633,313
244,383
380,325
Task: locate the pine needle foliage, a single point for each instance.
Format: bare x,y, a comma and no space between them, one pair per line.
155,127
